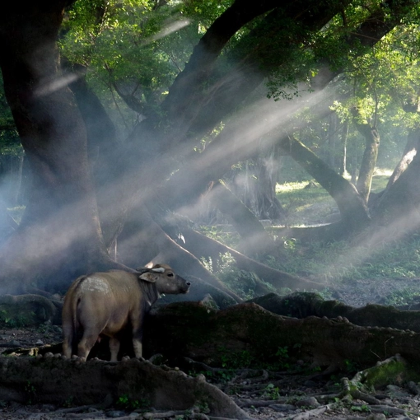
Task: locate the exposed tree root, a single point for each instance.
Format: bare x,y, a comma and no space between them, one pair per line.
244,334
302,304
36,379
193,330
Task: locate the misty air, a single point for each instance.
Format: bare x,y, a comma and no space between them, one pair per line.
209,209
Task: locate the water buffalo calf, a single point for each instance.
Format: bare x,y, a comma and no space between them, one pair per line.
102,304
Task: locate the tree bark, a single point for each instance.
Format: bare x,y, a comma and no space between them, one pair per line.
248,327
410,150
344,137
303,304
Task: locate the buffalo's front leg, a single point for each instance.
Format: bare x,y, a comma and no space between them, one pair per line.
138,347
137,330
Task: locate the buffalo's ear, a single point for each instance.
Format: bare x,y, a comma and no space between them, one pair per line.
148,277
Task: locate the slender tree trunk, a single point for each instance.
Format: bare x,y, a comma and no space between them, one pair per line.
344,137
332,139
370,156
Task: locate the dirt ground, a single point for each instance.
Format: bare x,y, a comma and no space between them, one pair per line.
263,395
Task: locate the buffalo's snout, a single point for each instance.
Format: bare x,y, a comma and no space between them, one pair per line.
186,287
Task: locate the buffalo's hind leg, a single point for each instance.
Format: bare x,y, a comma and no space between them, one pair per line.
137,331
85,345
67,347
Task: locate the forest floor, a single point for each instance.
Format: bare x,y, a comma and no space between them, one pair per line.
264,395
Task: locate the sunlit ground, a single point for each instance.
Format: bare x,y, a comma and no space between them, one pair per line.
307,203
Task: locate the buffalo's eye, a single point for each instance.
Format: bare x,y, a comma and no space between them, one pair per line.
170,274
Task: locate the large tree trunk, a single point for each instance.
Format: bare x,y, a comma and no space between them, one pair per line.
410,151
59,234
103,148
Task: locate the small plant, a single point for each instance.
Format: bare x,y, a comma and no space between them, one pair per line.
362,408
125,403
350,366
30,390
272,392
283,357
203,407
235,360
69,402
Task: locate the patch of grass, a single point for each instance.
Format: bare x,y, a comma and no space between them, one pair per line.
306,203
272,392
380,180
340,261
406,296
309,203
